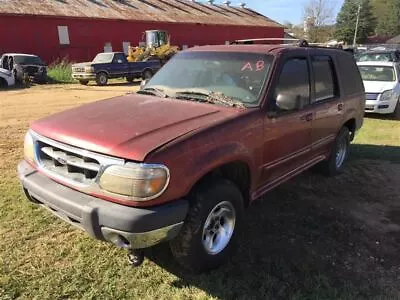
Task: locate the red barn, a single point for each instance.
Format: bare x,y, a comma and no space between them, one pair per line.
79,29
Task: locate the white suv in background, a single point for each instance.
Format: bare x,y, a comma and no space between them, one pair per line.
382,87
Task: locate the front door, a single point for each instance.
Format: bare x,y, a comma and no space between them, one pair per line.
120,66
288,126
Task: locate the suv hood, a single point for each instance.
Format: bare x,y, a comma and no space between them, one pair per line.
130,126
378,86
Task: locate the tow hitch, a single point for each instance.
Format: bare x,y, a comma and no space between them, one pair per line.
136,257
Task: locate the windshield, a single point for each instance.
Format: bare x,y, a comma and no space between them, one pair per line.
103,58
28,60
239,76
376,56
377,73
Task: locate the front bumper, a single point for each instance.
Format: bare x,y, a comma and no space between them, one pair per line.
83,76
380,107
124,226
41,76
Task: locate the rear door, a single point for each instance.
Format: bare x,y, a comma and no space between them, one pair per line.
287,132
327,102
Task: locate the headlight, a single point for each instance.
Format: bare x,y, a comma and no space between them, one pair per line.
140,182
89,69
29,148
386,95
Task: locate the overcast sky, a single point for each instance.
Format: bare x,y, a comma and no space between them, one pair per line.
282,10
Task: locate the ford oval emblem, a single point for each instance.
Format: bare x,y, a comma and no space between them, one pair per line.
61,160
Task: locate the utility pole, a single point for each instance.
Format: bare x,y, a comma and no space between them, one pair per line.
356,29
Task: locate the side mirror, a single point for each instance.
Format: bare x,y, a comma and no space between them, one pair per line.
143,83
288,102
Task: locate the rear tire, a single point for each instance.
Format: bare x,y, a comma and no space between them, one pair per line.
335,164
101,78
396,112
84,82
130,78
208,236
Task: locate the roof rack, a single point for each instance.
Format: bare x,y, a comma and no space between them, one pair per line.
296,43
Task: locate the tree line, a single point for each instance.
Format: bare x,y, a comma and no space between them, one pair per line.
376,17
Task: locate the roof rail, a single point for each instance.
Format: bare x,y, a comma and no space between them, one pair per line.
297,42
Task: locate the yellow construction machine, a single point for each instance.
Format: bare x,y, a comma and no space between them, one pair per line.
156,44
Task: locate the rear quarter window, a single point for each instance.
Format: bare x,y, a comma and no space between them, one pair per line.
349,75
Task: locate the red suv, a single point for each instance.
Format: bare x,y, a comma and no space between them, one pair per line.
216,128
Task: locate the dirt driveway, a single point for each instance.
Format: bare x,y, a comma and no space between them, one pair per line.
42,100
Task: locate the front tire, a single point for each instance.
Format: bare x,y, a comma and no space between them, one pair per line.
101,79
3,83
84,82
335,164
208,236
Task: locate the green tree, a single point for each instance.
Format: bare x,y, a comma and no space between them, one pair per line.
387,14
346,21
320,13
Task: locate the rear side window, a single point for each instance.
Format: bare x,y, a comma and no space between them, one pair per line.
325,78
349,74
294,83
118,58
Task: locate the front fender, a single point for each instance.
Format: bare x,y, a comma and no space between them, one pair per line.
216,157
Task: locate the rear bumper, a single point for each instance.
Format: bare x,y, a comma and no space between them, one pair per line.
83,76
124,226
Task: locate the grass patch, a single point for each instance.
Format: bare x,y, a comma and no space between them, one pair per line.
379,130
60,72
378,139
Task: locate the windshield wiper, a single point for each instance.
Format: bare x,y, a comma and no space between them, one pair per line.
226,100
191,94
153,92
211,97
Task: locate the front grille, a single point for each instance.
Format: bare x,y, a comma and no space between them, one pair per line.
31,70
371,96
78,69
68,164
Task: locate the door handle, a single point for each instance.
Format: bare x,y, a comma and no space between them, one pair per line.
307,117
